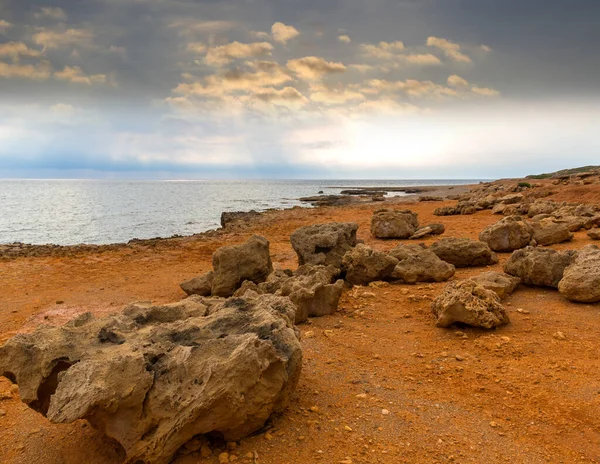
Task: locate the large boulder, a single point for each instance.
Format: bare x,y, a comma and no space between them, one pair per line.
324,243
548,232
236,263
500,283
388,223
364,265
508,234
542,267
201,285
464,252
594,234
419,264
581,279
153,377
512,198
468,303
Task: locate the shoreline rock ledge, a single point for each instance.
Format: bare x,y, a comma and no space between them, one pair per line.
154,377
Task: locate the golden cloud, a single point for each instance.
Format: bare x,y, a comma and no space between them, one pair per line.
457,82
34,72
15,50
314,67
76,75
282,33
450,49
224,54
485,92
52,13
57,39
345,38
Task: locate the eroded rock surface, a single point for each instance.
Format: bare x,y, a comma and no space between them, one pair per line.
464,252
324,243
394,224
548,232
201,285
364,265
594,234
508,234
539,266
581,279
153,377
469,303
500,283
419,264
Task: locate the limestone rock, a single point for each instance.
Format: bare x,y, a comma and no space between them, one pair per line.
153,377
431,229
581,280
394,224
468,303
324,243
464,252
201,285
548,232
500,283
419,264
364,265
594,234
512,198
539,266
508,234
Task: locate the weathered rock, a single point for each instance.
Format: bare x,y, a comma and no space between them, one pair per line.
594,234
508,234
364,265
464,252
468,303
539,266
242,217
431,229
419,264
324,243
234,264
394,224
542,207
201,285
548,232
154,377
581,279
500,283
512,198
445,211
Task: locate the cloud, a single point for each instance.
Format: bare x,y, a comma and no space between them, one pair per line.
52,13
334,96
56,39
76,75
4,25
457,82
485,92
282,33
345,38
197,47
34,72
193,27
485,48
224,54
363,68
450,49
288,96
313,67
15,50
383,50
260,35
63,109
411,87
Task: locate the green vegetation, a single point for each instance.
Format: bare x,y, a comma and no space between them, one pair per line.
564,172
524,184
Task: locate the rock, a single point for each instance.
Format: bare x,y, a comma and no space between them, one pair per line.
228,218
548,232
594,234
431,229
581,279
394,224
464,252
512,198
542,207
468,303
201,285
539,266
445,211
175,373
364,265
419,264
500,283
234,264
508,234
324,243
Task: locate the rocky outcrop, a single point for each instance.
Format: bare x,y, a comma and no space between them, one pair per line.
508,234
418,264
511,198
236,263
241,217
431,229
594,234
324,243
460,208
364,265
468,303
393,224
581,279
153,377
549,232
498,282
539,266
464,252
201,285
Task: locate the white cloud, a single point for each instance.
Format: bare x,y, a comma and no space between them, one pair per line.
57,39
34,72
283,33
224,54
313,67
486,49
344,38
52,13
4,25
485,92
76,75
15,50
450,49
457,82
197,47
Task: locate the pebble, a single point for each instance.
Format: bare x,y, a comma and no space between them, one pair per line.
458,357
559,336
522,311
309,334
404,291
224,458
347,428
314,409
385,412
2,412
205,451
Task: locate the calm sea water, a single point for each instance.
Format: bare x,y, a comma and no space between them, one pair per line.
67,212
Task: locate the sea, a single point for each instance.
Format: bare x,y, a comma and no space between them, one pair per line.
69,212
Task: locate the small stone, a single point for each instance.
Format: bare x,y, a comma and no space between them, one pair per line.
361,396
59,302
268,436
249,455
347,428
328,333
559,336
231,445
309,334
205,451
368,295
2,412
458,357
193,445
404,291
385,412
314,409
522,311
493,424
224,458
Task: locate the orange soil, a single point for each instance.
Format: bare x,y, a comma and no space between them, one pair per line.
385,384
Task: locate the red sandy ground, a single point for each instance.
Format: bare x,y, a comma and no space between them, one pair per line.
380,383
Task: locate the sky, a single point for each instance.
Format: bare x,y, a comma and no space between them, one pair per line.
384,89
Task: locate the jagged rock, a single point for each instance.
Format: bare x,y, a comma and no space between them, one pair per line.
508,234
431,229
500,283
512,198
594,234
581,279
228,218
324,243
464,252
419,264
468,303
234,264
153,377
575,223
394,224
542,207
548,232
539,266
445,211
364,265
201,285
